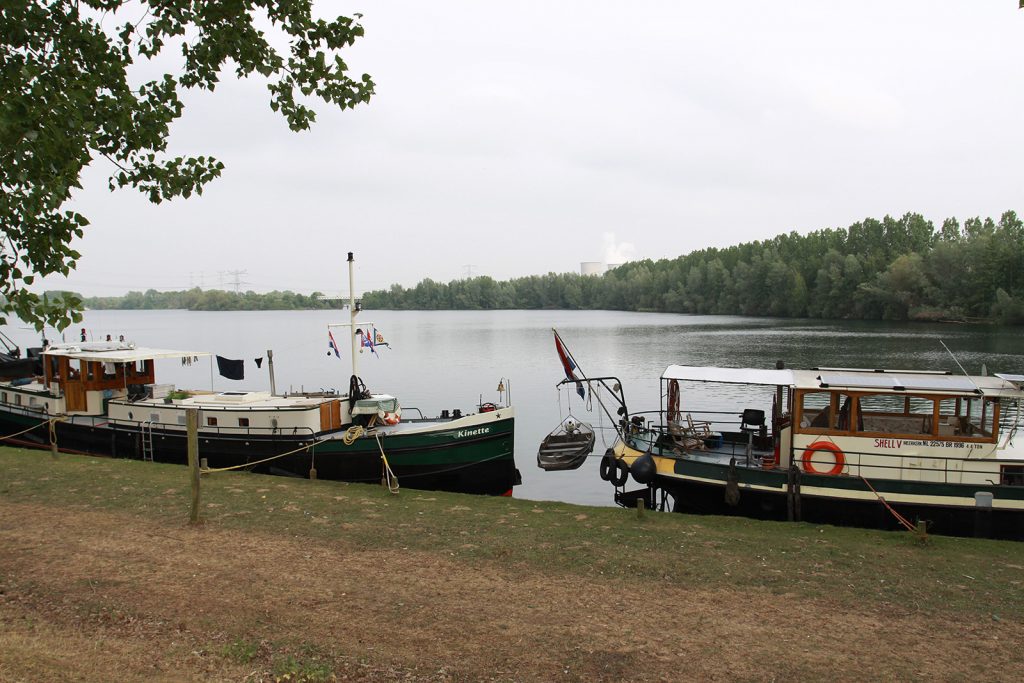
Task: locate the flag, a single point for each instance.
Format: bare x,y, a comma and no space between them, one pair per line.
378,339
568,365
232,369
332,346
366,340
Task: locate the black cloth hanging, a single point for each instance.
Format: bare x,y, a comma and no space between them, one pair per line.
232,369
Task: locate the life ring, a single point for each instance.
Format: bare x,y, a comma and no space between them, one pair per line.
389,418
823,446
607,465
621,475
673,401
488,407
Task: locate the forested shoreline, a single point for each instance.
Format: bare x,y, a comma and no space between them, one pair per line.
197,299
890,269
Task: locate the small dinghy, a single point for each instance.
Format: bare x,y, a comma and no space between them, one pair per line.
567,447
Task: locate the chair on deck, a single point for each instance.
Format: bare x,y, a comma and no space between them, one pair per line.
690,436
751,422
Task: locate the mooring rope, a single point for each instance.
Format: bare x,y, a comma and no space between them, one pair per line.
351,434
210,470
899,518
388,477
52,421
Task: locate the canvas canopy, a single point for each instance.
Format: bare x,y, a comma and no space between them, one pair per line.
694,373
114,353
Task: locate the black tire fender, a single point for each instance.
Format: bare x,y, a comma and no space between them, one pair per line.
607,465
621,473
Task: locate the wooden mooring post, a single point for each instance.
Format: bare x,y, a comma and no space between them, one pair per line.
192,427
53,439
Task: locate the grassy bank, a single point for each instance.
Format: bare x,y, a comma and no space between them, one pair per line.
658,563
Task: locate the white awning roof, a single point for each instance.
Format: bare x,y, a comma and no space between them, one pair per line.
116,353
729,375
899,381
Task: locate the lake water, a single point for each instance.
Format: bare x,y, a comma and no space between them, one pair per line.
452,359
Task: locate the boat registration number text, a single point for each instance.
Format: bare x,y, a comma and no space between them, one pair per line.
899,443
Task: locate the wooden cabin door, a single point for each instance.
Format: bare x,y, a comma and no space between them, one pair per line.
74,395
330,415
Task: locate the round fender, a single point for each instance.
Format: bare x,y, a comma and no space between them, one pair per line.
808,458
644,468
621,475
607,465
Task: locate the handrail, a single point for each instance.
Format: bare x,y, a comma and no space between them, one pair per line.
883,460
221,429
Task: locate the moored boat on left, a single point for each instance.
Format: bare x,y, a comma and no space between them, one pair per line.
103,399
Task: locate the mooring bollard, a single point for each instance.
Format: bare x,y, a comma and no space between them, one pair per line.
53,439
983,514
640,505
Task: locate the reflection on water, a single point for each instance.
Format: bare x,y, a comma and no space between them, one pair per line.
453,359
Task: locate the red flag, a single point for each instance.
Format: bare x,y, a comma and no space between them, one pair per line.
568,365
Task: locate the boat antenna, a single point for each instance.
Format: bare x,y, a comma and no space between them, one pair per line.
953,357
960,366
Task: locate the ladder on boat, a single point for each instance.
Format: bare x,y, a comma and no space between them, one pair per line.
147,441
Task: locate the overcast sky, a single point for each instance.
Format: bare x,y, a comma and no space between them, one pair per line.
527,137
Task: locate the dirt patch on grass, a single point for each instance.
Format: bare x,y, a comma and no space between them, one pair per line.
109,596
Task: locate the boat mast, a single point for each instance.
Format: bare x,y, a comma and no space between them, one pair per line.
352,310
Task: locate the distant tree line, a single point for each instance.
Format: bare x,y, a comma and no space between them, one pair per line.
889,269
196,299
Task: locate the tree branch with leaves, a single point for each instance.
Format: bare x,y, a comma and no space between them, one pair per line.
66,99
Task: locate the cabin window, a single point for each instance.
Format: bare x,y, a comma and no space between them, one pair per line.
951,417
17,399
814,408
3,397
32,401
1011,475
895,414
825,411
243,422
981,416
154,417
182,419
211,422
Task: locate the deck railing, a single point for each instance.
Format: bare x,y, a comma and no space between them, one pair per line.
952,469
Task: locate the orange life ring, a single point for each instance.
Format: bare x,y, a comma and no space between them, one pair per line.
389,418
823,446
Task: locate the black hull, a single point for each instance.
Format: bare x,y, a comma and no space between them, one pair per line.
416,465
698,497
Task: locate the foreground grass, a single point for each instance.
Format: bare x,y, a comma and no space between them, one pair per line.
852,567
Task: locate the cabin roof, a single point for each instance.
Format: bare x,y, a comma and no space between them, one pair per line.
115,352
847,378
729,375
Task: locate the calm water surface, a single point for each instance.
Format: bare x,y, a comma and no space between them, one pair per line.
452,359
